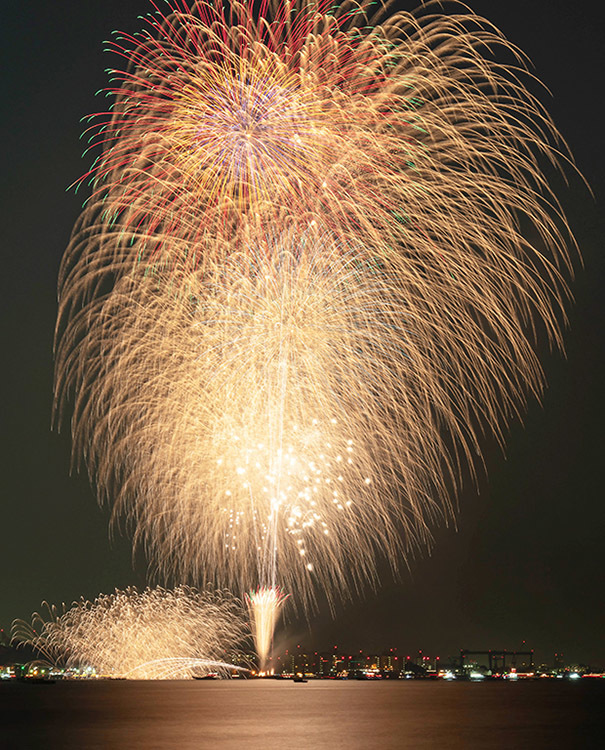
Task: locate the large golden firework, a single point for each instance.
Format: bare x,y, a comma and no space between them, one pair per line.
309,276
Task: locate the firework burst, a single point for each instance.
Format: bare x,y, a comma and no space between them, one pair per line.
154,634
398,135
302,286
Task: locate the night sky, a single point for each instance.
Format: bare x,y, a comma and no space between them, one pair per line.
526,561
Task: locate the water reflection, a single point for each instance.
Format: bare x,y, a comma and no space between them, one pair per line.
319,714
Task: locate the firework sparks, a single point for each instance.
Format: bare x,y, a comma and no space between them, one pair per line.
400,136
300,289
264,605
154,634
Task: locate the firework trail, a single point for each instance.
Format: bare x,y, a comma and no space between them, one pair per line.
264,604
154,634
310,276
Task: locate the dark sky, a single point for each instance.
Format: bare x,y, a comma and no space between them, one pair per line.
526,562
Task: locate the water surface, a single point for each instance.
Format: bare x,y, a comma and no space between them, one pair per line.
133,715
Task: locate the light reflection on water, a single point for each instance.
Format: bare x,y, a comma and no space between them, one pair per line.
318,714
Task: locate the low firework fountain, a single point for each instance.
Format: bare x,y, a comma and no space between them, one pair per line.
264,604
154,634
